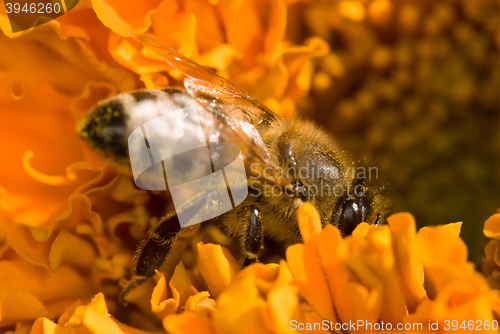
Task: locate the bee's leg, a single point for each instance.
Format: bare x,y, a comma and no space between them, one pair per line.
252,236
151,253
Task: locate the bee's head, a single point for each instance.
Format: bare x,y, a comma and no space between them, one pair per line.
104,129
344,195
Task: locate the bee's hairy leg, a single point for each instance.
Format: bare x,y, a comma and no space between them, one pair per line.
151,253
252,236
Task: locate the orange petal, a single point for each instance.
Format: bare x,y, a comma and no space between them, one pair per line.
34,202
443,254
441,246
408,264
127,52
200,303
307,319
177,30
217,266
35,243
492,227
367,302
372,260
154,80
219,57
181,285
45,326
337,273
122,17
160,303
282,303
310,278
96,319
187,323
69,248
241,23
362,230
459,303
210,33
19,306
277,26
491,262
241,309
92,93
55,290
309,222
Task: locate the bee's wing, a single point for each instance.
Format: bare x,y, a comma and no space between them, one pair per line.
201,80
235,112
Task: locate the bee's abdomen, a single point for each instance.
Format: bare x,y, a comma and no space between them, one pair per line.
108,125
103,129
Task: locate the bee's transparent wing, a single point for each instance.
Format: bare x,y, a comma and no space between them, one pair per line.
208,81
230,115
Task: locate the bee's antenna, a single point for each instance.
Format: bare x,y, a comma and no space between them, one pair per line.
378,220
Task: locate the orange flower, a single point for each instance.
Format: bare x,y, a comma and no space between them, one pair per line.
376,275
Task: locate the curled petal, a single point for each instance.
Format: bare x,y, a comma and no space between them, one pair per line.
463,300
491,263
443,254
160,303
95,318
122,17
91,93
182,288
492,227
154,80
200,303
35,243
69,248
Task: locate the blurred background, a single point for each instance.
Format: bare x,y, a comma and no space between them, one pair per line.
414,87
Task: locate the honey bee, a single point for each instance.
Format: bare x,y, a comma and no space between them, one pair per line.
287,163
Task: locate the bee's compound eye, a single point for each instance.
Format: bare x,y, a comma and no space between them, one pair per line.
352,216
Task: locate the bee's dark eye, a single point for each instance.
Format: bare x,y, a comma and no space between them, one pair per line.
352,216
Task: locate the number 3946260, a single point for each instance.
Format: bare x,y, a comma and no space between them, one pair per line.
38,8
